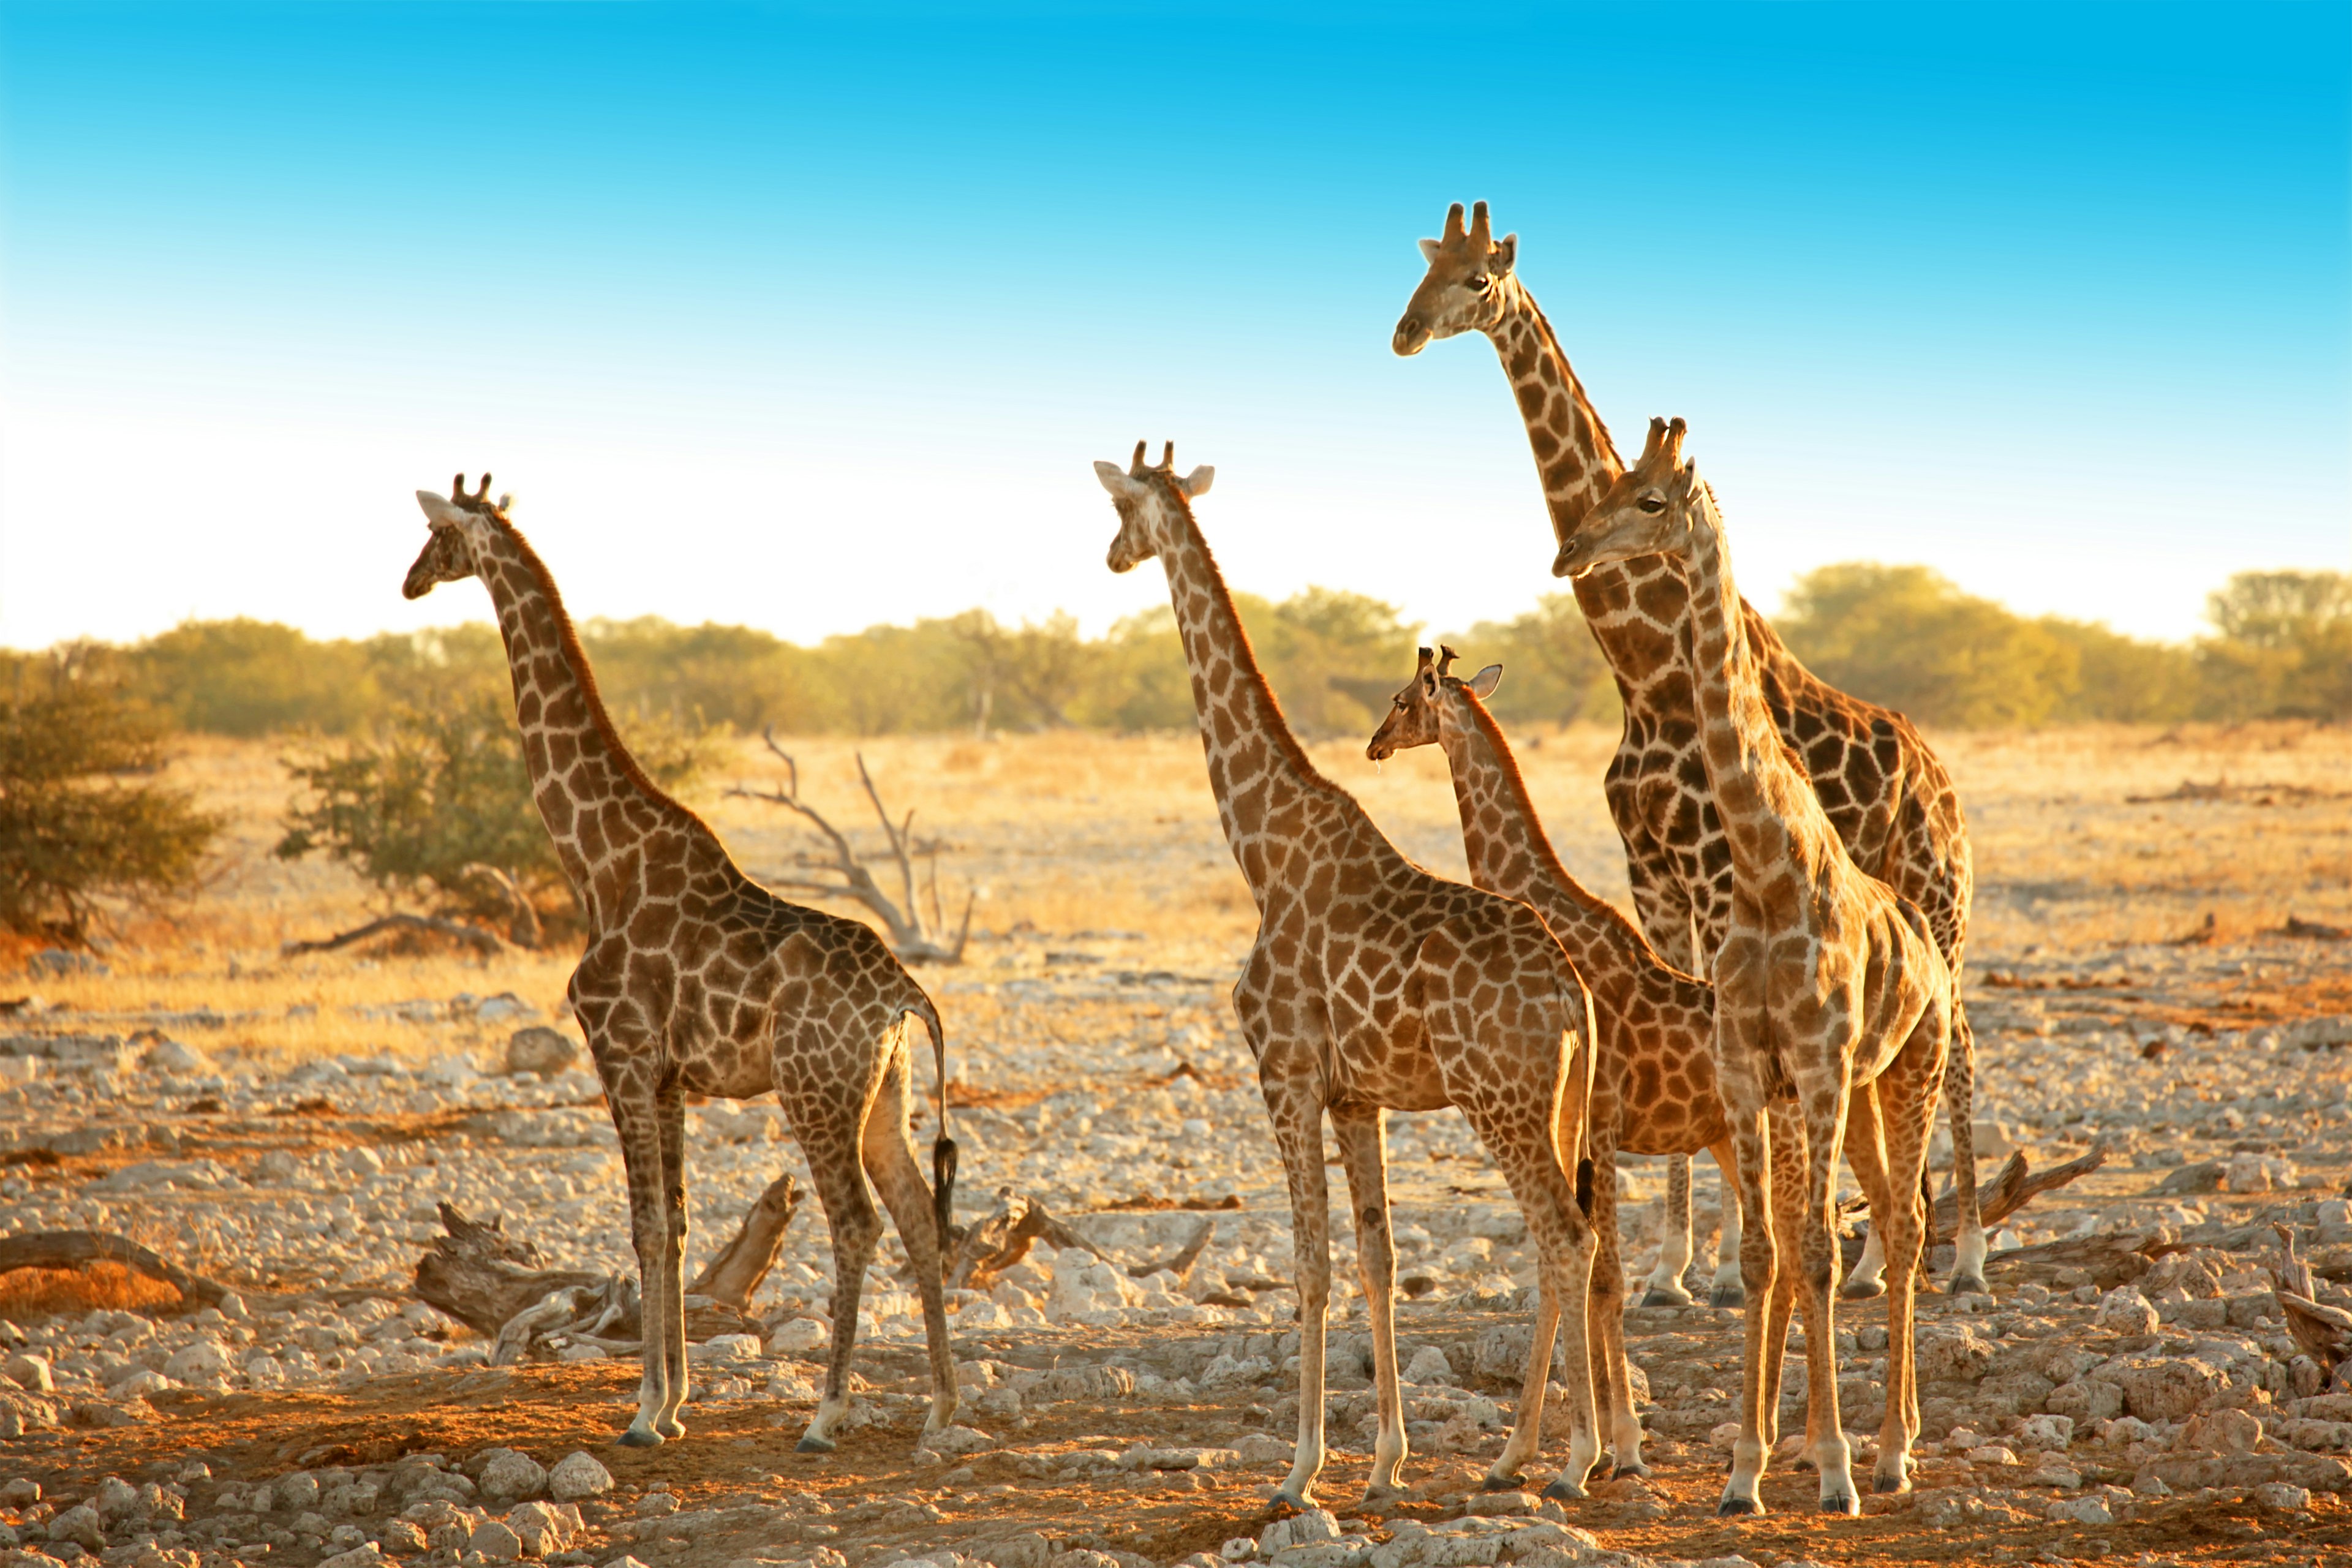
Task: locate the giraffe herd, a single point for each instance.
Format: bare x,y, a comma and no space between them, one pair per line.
1799,865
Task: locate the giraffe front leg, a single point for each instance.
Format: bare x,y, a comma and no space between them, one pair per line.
636,1122
1825,1112
1724,1293
1299,1134
1604,1315
670,1108
1751,1163
1666,1288
1364,1153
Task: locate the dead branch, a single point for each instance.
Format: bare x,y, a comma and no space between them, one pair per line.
2106,1262
482,942
1003,1239
77,1248
523,929
1179,1262
2324,1332
730,1277
2314,930
2012,1190
914,940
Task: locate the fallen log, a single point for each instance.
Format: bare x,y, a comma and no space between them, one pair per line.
500,1286
2105,1261
78,1248
482,942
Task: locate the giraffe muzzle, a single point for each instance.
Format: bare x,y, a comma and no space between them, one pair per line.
1410,338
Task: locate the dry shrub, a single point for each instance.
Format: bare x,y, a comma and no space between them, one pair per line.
65,1292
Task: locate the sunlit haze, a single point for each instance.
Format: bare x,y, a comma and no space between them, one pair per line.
812,319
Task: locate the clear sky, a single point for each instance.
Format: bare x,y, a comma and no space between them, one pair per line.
815,318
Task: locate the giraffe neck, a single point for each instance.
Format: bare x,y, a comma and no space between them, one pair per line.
1635,607
582,779
1510,854
1766,804
1256,766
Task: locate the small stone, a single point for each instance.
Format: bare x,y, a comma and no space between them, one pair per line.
2283,1497
2047,1432
1489,1504
81,1525
2080,1510
957,1441
495,1541
30,1372
367,1556
577,1476
401,1535
510,1476
2228,1431
540,1049
1317,1524
2123,1310
1429,1365
202,1362
544,1528
798,1337
21,1492
656,1505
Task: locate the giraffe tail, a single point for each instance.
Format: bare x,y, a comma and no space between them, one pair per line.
1573,1128
943,1148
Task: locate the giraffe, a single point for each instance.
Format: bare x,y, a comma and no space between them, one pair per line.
697,980
1654,1074
1831,992
1374,987
1886,793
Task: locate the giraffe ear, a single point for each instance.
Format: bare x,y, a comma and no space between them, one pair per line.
1482,685
1429,249
1113,478
1197,482
438,511
1505,252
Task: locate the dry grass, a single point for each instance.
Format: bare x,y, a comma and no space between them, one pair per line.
29,1293
1069,833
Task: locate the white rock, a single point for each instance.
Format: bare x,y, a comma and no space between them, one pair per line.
2080,1510
1429,1365
577,1476
2046,1431
29,1372
1317,1524
2123,1310
541,1050
2283,1495
508,1475
202,1362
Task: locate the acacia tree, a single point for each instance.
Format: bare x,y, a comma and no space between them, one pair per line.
83,820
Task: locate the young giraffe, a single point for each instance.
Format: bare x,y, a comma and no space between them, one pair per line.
697,980
1373,986
1653,1076
1885,793
1829,990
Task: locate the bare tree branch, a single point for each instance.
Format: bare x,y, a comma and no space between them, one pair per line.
911,937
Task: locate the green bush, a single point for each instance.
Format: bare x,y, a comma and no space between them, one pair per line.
81,820
436,791
1552,669
1905,636
2285,647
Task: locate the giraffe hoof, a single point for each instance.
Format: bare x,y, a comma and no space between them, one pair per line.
1565,1490
1289,1500
668,1429
1499,1482
1884,1484
1658,1296
1862,1289
1636,1470
1727,1297
638,1437
813,1444
1843,1502
1970,1285
1738,1507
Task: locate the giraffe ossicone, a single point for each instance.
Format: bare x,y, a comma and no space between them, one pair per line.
1374,987
697,980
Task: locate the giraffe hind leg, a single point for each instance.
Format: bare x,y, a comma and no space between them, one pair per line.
635,1119
1666,1287
671,1107
1724,1293
828,1130
1969,1246
890,1160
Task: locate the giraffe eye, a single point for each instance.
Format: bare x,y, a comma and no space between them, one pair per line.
1476,283
1653,504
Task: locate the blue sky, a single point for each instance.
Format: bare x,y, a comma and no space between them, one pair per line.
812,318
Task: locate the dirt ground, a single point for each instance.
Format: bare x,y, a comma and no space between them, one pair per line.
2138,987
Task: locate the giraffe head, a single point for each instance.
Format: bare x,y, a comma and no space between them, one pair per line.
1463,292
449,555
1415,717
1149,501
1646,513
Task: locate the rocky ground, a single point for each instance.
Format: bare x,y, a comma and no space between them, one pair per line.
2128,1390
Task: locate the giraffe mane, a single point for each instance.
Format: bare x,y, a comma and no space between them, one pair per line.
1508,765
576,657
1285,741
